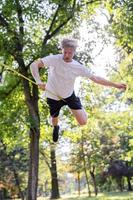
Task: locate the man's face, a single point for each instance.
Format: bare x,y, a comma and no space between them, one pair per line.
68,53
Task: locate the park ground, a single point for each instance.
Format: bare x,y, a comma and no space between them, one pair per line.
103,196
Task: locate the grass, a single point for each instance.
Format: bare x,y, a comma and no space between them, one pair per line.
105,196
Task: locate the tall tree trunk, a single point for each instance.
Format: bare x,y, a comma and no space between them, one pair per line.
87,179
129,175
78,183
33,165
94,181
54,182
34,134
129,184
119,182
1,195
53,170
85,169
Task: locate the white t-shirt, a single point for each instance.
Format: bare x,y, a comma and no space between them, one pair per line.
62,75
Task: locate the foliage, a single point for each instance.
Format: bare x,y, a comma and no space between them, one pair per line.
121,22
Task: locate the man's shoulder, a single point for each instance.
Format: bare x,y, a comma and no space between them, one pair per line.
77,63
52,56
55,55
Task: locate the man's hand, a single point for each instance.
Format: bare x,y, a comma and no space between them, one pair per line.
121,86
42,86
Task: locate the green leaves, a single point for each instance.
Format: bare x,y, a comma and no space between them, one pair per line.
122,23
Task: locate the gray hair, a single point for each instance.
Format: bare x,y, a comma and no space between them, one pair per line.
69,43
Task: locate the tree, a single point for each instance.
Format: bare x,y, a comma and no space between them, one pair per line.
14,143
119,169
122,29
22,42
12,164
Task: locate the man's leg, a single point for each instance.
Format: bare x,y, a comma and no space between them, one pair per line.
80,115
77,109
55,125
54,121
55,107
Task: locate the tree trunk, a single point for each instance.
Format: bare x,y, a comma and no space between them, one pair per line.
129,184
34,134
85,170
79,183
129,176
54,182
1,195
94,182
33,165
119,182
86,175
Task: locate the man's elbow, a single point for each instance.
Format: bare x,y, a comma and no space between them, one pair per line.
36,64
39,63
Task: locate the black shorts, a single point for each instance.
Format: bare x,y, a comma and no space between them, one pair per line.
73,102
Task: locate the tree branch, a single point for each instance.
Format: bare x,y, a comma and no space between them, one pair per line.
20,18
16,41
57,29
3,22
53,20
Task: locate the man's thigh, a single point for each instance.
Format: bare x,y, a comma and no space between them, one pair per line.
55,106
80,115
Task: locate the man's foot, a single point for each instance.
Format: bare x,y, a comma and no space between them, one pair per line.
56,133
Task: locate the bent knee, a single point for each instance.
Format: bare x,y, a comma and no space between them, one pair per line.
83,122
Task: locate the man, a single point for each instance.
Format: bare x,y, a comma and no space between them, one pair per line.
63,70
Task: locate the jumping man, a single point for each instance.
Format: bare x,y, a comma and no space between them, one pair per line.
63,70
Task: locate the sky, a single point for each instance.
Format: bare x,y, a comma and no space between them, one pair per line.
108,56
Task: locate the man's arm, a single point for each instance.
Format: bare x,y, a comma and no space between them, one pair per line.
34,67
105,82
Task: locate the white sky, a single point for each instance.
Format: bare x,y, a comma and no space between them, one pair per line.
107,57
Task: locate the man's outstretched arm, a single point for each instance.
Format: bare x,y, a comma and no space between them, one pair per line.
34,67
102,81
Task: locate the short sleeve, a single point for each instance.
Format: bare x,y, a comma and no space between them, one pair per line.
48,60
84,71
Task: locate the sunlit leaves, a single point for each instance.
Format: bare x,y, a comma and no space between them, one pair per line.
122,22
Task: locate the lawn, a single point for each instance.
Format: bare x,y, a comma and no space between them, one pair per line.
105,196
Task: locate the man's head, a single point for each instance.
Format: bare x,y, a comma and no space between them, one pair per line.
68,49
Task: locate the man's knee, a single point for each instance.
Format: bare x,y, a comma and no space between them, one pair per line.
81,116
83,121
